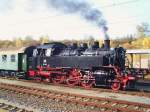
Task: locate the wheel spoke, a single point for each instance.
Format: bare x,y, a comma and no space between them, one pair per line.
71,81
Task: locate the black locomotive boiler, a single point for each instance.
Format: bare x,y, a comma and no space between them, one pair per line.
80,65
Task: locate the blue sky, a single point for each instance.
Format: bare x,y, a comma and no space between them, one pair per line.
20,18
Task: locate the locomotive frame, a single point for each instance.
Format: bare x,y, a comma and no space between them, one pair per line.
78,66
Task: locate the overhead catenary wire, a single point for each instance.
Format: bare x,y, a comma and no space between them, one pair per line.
120,3
131,20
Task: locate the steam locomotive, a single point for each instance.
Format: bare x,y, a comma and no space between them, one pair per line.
72,65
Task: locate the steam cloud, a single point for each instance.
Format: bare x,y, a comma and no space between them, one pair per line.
83,8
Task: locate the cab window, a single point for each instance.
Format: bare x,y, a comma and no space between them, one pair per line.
4,58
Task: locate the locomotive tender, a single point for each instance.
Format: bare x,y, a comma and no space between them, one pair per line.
73,65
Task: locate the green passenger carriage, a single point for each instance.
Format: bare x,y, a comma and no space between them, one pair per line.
13,61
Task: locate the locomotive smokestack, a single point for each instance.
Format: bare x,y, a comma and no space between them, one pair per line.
107,44
106,40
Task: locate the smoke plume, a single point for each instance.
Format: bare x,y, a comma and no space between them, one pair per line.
83,8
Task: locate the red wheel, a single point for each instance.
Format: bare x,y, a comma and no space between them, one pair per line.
116,85
57,79
74,77
72,81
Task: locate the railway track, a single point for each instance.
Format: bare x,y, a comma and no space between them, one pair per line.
99,89
100,104
10,108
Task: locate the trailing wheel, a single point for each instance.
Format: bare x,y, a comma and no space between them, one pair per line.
116,85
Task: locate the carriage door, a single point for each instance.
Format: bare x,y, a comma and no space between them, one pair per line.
22,63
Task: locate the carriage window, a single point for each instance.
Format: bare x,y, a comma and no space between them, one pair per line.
4,58
13,58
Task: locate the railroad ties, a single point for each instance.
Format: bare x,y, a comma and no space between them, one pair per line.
94,103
